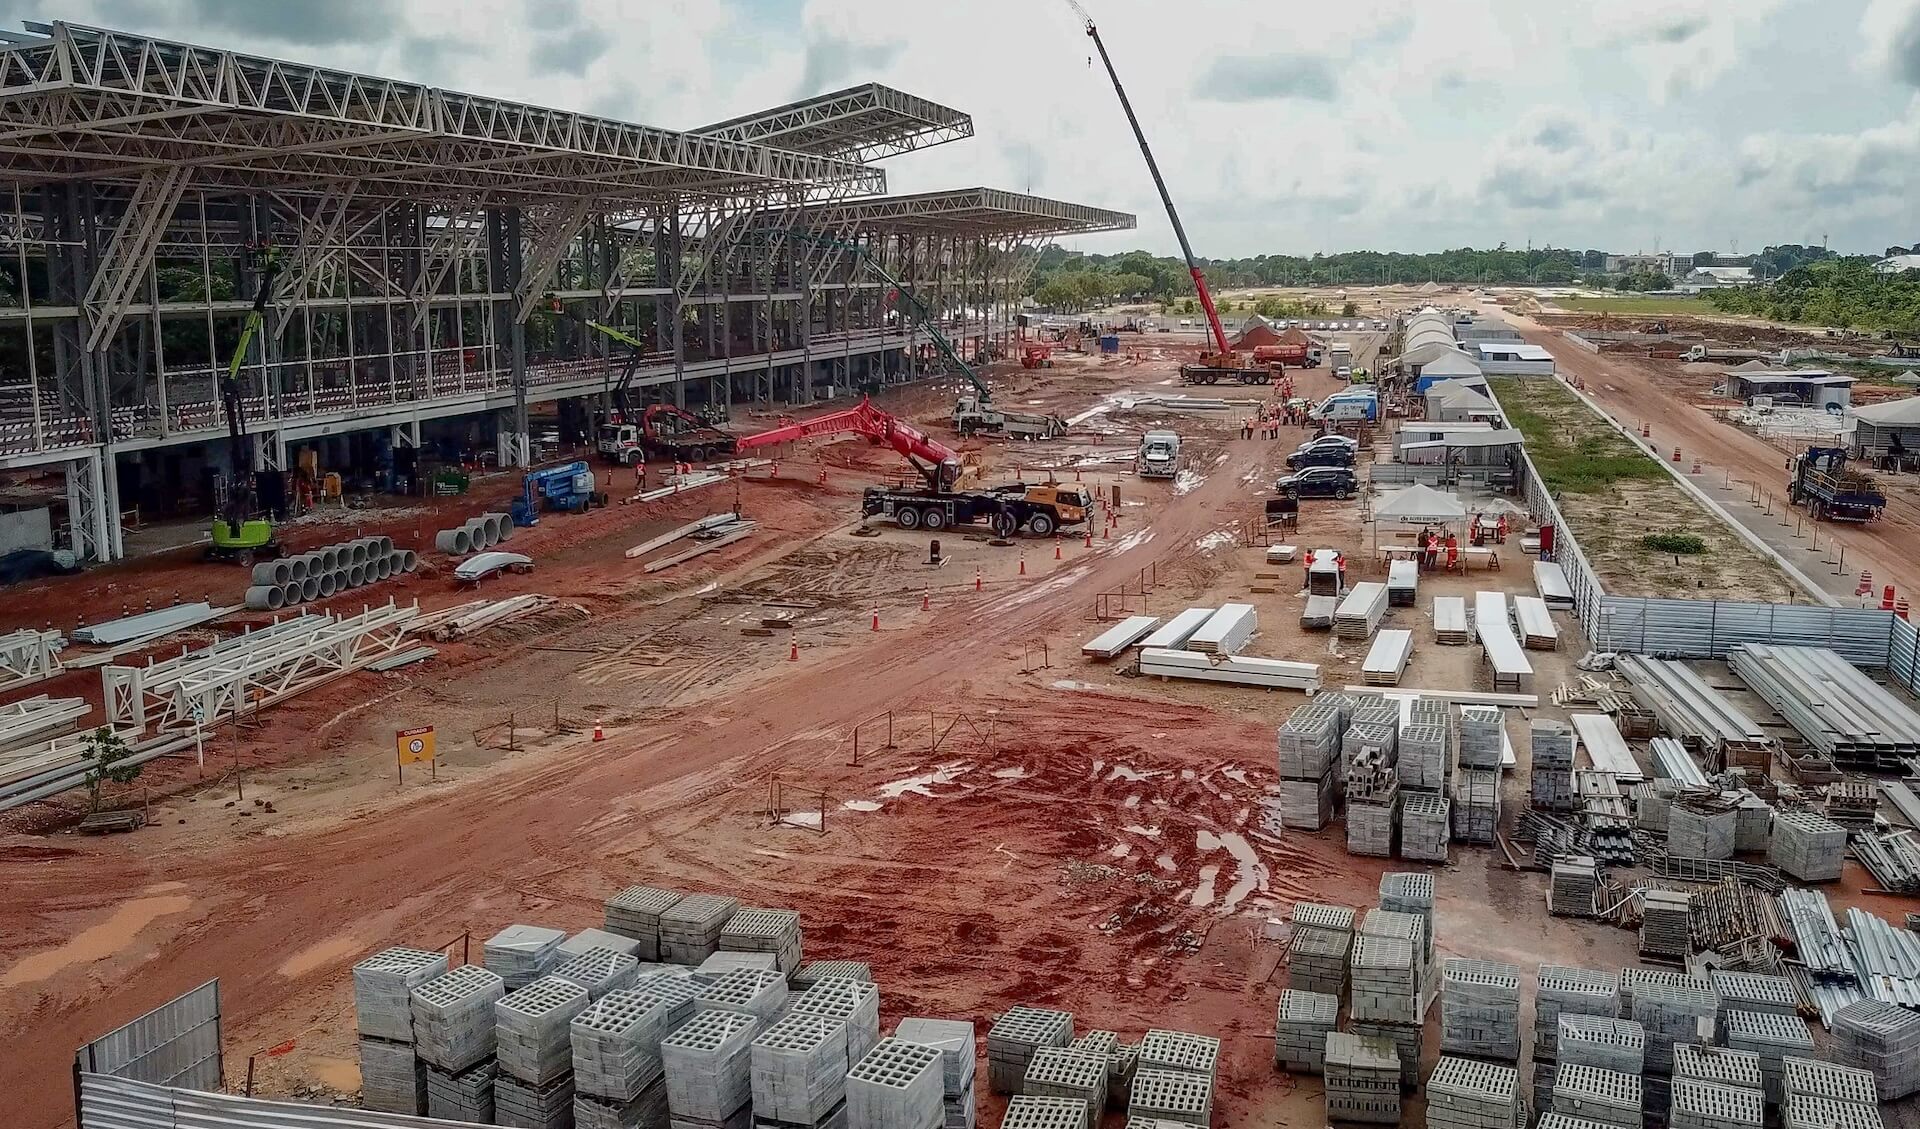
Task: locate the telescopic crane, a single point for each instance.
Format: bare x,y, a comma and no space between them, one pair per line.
236,534
1223,361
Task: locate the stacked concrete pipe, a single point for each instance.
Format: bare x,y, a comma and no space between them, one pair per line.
266,597
325,572
457,542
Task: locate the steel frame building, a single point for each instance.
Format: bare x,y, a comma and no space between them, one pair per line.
420,230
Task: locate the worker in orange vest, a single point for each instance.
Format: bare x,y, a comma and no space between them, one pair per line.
1502,531
1453,552
1308,568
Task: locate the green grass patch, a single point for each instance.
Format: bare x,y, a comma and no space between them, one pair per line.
1576,452
1637,305
1682,544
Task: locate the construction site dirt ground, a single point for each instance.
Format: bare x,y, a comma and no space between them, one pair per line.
1674,403
1039,829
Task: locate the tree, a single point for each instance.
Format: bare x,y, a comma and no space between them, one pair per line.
1189,306
1349,310
105,754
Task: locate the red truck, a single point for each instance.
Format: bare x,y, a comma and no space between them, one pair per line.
1293,354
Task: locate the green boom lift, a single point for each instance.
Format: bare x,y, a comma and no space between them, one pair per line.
237,535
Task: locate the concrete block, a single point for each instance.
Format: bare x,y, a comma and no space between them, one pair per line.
521,954
690,928
529,1106
599,971
708,1063
1062,1072
635,912
775,931
392,1078
463,1096
453,1019
1172,1095
383,987
616,1044
1016,1036
799,1069
896,1086
534,1029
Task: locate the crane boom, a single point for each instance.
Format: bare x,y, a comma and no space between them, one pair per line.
936,462
1180,232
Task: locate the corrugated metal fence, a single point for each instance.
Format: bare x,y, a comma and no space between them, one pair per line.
1903,654
1709,629
175,1044
121,1103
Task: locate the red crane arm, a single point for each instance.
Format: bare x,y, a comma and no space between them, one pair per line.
936,461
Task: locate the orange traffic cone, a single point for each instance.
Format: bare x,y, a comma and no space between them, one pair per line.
1023,564
1696,464
1900,607
1645,431
976,580
793,651
774,472
1886,598
1107,534
1676,454
823,474
1866,583
1089,536
599,734
1056,549
926,600
876,619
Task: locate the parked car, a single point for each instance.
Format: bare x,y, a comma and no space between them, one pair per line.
1320,482
1325,454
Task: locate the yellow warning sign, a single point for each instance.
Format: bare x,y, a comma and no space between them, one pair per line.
414,745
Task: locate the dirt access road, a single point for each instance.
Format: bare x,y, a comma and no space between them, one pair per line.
1637,389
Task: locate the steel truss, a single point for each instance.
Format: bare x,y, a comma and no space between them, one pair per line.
862,123
28,656
254,669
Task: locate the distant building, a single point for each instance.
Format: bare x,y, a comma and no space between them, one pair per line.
1513,358
1711,278
1808,387
1665,263
1889,426
1897,264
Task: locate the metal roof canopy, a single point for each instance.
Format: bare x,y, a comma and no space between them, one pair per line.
860,123
86,103
966,211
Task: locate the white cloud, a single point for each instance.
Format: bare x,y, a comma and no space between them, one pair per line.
1387,123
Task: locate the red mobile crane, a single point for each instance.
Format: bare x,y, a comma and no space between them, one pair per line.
1223,363
936,504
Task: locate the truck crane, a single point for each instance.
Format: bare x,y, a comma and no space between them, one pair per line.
236,534
936,503
661,431
1223,363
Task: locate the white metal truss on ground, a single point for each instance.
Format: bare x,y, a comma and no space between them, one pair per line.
257,668
32,720
28,656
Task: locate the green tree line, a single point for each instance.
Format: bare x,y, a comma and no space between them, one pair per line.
1842,292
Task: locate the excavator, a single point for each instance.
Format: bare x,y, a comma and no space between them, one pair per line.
1223,363
936,503
237,535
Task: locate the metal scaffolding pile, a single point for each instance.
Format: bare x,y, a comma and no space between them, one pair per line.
251,670
1838,709
1688,707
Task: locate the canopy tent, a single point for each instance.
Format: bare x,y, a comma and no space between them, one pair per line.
1420,504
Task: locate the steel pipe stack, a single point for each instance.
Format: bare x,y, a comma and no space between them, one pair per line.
1841,712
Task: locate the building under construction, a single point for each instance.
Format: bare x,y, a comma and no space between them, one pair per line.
426,243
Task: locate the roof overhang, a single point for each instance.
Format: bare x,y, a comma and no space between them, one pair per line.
977,212
861,123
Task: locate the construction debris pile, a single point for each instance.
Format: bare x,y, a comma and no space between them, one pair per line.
691,1011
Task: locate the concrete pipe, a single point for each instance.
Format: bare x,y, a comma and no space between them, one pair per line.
381,567
290,593
409,560
503,527
383,544
330,558
310,587
356,575
296,569
330,583
356,553
480,532
451,541
270,572
266,598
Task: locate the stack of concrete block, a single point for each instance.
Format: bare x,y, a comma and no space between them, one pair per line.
1636,976
814,971
1362,1079
1606,1096
589,939
1373,807
1772,1036
1300,1030
720,964
1552,1120
1751,991
853,1002
453,1021
1425,758
1702,826
465,1095
1405,1037
775,931
1379,738
1664,931
616,1044
1753,824
1571,886
1653,805
896,1086
383,987
1476,804
690,928
1384,976
1179,1050
1122,1062
646,1111
1014,1039
1309,749
1481,729
1719,1065
1673,1014
392,1077
1480,1009
1708,1105
1810,847
1411,928
599,971
1811,1085
1466,1094
1408,891
1550,744
1032,1111
635,912
953,1038
798,1070
1426,826
1883,1039
1564,990
1322,944
678,993
1612,1044
1063,1072
535,1029
1171,1095
521,954
709,1069
528,1105
1804,1111
759,992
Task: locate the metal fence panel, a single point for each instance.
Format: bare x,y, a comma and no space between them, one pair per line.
1903,654
175,1044
119,1103
1711,628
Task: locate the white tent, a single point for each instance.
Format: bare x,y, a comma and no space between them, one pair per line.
1420,503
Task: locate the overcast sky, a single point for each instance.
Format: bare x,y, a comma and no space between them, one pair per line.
1282,128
